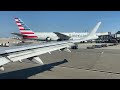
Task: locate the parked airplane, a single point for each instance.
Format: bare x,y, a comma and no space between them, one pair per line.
31,52
27,33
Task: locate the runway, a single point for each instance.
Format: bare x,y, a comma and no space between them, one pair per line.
83,63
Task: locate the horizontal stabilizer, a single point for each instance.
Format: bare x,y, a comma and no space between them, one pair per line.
18,34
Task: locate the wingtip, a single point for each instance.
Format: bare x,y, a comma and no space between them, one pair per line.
99,22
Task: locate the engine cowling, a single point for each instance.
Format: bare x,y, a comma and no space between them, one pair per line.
48,39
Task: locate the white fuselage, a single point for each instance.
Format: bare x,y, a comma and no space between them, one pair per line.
44,35
75,35
72,35
53,36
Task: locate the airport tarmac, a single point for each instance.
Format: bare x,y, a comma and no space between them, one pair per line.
102,63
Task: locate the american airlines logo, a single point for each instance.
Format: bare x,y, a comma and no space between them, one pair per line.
24,30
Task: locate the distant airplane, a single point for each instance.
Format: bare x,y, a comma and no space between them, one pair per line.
32,52
27,33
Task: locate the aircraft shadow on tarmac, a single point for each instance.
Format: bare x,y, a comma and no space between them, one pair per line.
25,73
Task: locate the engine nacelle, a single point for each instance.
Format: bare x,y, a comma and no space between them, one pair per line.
48,39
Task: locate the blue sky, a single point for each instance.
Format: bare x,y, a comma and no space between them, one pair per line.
61,21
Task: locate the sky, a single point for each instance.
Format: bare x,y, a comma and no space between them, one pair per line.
60,21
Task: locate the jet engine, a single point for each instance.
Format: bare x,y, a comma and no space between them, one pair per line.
48,39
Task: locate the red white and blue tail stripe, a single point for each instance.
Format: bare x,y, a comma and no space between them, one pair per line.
25,30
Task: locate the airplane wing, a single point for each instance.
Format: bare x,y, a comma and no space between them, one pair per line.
32,52
62,36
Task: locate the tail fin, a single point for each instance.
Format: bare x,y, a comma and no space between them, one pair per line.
24,29
90,36
93,32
